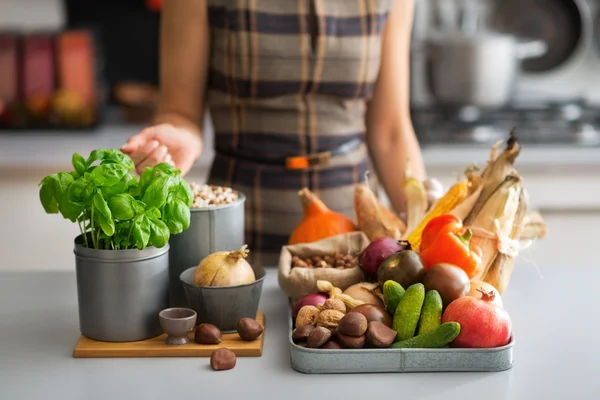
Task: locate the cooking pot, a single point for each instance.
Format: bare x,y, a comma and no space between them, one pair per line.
477,70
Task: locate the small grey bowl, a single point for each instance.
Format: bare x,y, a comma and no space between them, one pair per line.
223,306
177,323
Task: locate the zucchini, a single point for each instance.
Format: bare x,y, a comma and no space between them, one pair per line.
431,315
434,339
406,317
392,293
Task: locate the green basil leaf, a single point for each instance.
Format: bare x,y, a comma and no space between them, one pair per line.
103,215
185,193
139,207
81,191
177,216
121,206
145,180
120,187
156,194
79,163
141,232
159,233
47,197
117,157
166,168
153,213
108,174
95,156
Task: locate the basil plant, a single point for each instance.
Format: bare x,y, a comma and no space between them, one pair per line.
113,208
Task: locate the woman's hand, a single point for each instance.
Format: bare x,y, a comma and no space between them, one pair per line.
164,143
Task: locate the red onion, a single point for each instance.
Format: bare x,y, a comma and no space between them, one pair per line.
378,250
313,299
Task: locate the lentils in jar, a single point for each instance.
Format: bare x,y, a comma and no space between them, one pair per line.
337,261
212,195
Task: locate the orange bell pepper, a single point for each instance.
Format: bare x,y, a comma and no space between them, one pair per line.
446,240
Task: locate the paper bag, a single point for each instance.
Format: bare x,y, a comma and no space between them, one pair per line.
297,282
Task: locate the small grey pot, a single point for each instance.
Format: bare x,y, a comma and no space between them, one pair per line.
223,306
219,228
121,292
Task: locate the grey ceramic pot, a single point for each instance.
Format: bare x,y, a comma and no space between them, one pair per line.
223,306
213,229
121,292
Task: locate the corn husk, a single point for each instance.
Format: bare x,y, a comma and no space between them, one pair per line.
499,271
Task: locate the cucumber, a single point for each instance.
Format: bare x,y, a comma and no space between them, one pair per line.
406,317
392,293
434,339
431,315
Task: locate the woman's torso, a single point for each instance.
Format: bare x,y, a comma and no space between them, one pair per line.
288,78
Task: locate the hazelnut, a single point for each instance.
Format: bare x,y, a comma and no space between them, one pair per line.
307,316
351,342
329,319
301,333
318,337
207,334
249,329
334,304
332,345
353,324
222,359
380,335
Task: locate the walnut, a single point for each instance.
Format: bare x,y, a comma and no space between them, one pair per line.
307,316
329,319
333,304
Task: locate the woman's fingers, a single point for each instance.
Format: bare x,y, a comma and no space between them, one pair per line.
136,142
155,157
144,152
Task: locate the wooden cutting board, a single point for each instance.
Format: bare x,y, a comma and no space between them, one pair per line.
156,347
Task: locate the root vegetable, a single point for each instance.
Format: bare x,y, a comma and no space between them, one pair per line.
376,252
224,269
362,293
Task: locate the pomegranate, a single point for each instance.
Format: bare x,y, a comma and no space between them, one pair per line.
483,324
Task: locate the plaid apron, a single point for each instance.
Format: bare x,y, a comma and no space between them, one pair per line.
290,78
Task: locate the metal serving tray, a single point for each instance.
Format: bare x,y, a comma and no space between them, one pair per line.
324,361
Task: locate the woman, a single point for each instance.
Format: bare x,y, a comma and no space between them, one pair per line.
293,86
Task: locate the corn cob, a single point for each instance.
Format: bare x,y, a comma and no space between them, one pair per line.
453,197
416,202
496,220
500,270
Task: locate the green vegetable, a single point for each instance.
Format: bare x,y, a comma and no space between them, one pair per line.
434,339
431,315
392,293
408,312
112,208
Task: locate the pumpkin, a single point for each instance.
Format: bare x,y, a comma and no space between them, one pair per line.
319,221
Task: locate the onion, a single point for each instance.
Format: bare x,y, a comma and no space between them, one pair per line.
224,268
378,250
312,299
364,293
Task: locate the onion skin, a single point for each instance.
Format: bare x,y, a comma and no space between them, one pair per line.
313,299
482,323
378,250
359,292
224,268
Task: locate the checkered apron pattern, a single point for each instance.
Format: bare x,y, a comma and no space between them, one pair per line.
290,78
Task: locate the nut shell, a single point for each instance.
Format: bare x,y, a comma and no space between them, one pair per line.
353,324
380,335
222,359
351,342
249,329
334,304
207,334
307,316
330,319
318,337
301,334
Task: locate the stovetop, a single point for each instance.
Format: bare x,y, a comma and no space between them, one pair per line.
572,123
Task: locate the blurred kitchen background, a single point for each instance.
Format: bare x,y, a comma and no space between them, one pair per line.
79,75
